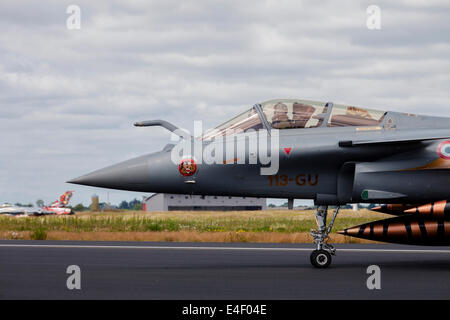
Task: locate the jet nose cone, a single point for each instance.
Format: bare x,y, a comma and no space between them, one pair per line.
78,180
129,175
86,180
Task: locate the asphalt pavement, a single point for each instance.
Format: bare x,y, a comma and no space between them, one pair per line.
192,271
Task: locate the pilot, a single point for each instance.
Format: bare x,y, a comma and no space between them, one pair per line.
280,119
301,114
358,112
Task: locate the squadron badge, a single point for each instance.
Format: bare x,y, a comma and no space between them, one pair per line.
187,167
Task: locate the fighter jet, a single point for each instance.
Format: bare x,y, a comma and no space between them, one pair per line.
19,211
59,207
298,149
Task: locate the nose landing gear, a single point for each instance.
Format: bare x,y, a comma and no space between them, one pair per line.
321,257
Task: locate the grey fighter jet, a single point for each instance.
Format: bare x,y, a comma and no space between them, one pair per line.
19,211
298,149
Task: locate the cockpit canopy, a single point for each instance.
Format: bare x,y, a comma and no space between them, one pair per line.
248,120
297,114
288,114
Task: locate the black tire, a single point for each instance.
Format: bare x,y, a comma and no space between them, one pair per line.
320,259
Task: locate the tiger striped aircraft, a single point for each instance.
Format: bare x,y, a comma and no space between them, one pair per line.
298,149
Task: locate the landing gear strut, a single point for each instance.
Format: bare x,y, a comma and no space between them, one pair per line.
321,257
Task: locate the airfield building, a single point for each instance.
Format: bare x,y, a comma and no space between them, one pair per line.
171,202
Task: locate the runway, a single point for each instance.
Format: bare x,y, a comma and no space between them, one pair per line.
191,271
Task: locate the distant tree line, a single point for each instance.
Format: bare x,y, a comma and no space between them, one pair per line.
132,205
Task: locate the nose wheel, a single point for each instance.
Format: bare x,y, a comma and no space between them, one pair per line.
321,257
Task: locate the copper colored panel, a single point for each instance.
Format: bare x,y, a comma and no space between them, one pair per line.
447,228
378,230
439,208
425,209
431,227
415,230
367,231
396,229
352,231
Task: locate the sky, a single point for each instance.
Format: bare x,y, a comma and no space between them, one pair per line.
69,97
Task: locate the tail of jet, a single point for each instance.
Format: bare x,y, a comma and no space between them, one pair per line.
64,200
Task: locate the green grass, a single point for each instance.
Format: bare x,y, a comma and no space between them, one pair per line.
39,234
143,223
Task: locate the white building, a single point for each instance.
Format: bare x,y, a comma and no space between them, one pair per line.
171,202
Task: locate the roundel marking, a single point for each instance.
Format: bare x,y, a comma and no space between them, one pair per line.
187,167
444,150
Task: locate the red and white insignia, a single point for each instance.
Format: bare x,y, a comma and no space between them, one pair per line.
187,167
444,150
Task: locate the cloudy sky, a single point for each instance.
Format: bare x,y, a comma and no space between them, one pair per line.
68,98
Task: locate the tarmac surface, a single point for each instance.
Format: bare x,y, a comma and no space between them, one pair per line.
211,271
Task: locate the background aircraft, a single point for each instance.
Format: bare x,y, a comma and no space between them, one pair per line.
333,154
59,207
19,211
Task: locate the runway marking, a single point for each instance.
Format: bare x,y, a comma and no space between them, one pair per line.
214,248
